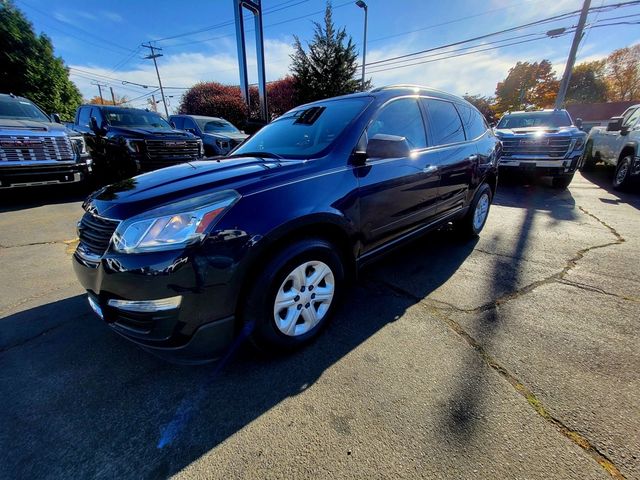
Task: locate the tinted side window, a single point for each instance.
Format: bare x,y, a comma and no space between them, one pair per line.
473,122
189,123
402,118
83,116
630,121
445,122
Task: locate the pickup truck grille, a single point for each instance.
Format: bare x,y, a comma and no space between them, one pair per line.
172,149
23,149
95,233
544,147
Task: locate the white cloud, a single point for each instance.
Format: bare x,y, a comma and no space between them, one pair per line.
113,16
182,70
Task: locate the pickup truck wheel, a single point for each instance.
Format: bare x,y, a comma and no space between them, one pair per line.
561,182
623,173
589,162
294,296
473,222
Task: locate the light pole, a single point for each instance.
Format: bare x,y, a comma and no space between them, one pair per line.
363,5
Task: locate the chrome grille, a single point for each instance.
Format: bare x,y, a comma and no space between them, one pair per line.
25,148
95,233
544,147
172,149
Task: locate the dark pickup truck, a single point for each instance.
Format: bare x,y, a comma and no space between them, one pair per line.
127,141
34,150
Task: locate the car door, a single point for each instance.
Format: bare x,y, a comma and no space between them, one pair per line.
456,156
397,195
612,139
98,142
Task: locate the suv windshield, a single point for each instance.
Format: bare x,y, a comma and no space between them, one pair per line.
135,118
217,125
306,131
21,109
535,119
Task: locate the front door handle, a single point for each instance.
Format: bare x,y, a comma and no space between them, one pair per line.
430,169
473,158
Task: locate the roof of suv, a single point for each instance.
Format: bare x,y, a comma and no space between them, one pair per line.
114,107
11,96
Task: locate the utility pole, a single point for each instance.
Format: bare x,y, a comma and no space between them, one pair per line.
568,69
153,57
99,90
155,105
113,97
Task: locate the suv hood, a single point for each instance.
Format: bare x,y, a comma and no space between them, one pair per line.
571,130
136,195
148,133
31,126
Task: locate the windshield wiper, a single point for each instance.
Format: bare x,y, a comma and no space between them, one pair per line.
256,154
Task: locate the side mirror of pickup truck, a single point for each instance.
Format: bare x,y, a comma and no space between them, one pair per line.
615,124
56,118
95,128
579,123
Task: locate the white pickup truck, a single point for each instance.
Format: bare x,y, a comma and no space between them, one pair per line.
616,145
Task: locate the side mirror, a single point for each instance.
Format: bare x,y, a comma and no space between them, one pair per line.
95,128
624,130
387,146
56,118
579,123
615,124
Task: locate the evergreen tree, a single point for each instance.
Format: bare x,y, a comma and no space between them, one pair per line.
28,66
329,66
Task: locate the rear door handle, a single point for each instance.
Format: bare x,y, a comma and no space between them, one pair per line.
430,169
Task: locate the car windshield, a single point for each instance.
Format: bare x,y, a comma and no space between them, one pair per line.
135,118
217,125
305,132
535,119
19,109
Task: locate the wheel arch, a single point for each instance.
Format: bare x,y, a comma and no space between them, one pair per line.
329,227
630,148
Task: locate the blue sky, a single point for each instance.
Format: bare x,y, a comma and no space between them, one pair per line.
102,39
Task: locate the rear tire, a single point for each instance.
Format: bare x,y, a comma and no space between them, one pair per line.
294,296
561,183
474,220
622,176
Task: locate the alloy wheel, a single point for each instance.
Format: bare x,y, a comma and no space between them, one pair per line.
481,211
304,298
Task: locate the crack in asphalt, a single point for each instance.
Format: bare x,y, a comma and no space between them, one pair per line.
64,242
573,435
591,288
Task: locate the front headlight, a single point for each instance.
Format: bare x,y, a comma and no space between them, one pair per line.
79,144
200,148
579,143
173,226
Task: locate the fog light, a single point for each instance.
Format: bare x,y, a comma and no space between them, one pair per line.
146,305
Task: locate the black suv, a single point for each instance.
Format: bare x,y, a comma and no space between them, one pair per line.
218,135
126,141
182,259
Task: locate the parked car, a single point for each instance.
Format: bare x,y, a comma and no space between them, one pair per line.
35,150
182,259
218,135
541,143
616,145
126,141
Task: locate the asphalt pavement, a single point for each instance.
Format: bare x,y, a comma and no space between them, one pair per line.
515,355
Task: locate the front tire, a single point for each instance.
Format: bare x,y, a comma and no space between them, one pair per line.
294,296
561,183
622,176
589,163
474,220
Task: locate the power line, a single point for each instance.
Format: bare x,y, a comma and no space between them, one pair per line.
562,16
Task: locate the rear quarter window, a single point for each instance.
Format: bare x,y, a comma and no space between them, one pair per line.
473,121
445,123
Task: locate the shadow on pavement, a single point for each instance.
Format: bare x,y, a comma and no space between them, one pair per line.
602,176
80,402
16,199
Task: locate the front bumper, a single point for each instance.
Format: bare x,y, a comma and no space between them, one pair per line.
28,174
199,330
541,166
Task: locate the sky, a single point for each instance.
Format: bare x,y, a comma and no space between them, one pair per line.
101,41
